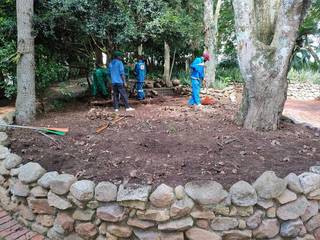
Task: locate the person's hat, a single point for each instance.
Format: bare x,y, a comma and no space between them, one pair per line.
206,56
118,54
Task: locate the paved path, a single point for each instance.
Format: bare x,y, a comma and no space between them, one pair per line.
303,112
12,230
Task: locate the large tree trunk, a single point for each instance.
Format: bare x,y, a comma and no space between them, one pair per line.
26,96
266,34
166,72
211,31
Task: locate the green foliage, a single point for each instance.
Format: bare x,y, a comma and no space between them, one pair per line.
304,76
184,78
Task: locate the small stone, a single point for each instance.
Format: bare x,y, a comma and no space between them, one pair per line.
242,224
41,206
106,192
291,229
4,139
162,197
74,236
315,169
171,236
202,223
146,235
38,192
311,211
133,192
53,235
180,193
46,179
313,223
3,170
202,214
86,230
83,215
200,234
224,223
268,229
176,225
120,231
26,212
243,211
287,196
269,186
111,213
206,192
314,195
221,209
243,194
61,184
309,182
14,172
255,220
158,215
58,202
272,212
19,189
63,223
75,201
39,228
181,208
93,204
12,161
45,220
30,172
134,222
265,204
83,190
293,210
4,152
237,235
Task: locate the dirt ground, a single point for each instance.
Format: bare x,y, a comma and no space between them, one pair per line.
166,142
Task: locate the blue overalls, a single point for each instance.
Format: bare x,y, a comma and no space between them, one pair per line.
197,75
140,72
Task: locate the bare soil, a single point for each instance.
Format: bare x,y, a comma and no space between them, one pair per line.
165,142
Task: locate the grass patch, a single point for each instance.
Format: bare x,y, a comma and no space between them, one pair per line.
304,76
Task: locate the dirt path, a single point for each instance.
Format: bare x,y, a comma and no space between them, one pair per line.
303,112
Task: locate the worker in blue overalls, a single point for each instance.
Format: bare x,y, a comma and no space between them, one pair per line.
197,76
140,72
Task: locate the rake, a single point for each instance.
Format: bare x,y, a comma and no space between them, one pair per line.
55,131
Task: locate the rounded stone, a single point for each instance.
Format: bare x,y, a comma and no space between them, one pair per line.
83,190
243,194
62,183
4,139
179,191
12,161
46,179
162,197
19,189
30,172
106,192
4,152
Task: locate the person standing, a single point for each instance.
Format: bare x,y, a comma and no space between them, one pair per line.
197,76
140,73
99,81
118,80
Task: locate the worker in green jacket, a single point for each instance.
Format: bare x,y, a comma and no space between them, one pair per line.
99,81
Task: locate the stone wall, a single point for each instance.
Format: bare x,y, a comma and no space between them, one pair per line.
62,207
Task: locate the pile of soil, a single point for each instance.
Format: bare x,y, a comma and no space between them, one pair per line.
166,142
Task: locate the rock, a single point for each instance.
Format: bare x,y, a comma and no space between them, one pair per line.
58,202
287,196
45,220
269,186
241,211
19,189
306,237
224,223
242,224
243,194
171,236
176,225
39,228
106,192
3,170
41,206
313,223
93,204
61,184
314,195
255,220
294,183
206,192
26,212
63,223
146,235
181,208
237,235
39,192
4,152
133,192
311,211
315,169
175,82
46,179
2,180
293,210
83,215
265,204
53,235
202,214
75,201
134,222
268,229
30,172
74,236
14,172
12,161
83,190
158,215
309,182
111,213
4,139
202,223
119,231
272,212
200,234
86,230
221,209
179,191
291,229
162,197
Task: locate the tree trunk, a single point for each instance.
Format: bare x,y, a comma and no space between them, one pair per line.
26,96
98,55
211,31
166,72
264,47
140,49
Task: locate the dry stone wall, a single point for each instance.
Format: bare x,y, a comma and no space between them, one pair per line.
60,206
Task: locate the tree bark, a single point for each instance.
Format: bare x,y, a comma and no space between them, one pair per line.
26,96
166,72
211,31
140,49
264,50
